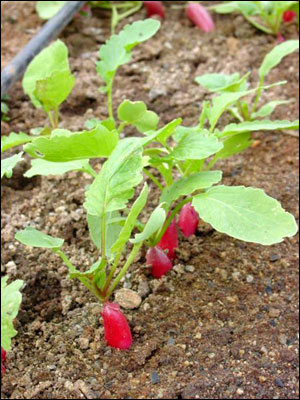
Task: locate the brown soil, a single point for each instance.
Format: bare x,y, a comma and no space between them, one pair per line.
227,328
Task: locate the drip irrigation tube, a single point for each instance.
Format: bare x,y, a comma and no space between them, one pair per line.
15,69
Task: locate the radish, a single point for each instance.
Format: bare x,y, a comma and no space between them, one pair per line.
159,261
200,17
116,328
3,358
154,8
288,15
169,241
188,220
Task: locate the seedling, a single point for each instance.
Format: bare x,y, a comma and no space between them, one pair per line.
11,298
48,82
105,198
47,9
232,85
264,15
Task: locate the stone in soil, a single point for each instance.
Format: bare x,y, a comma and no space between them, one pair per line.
128,298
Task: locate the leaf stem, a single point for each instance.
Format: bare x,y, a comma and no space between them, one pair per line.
103,236
122,126
123,271
50,116
90,170
154,180
258,94
84,281
112,270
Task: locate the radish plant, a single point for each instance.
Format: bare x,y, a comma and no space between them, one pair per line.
120,9
225,84
264,15
110,231
48,82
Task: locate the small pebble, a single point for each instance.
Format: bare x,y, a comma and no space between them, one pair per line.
282,339
171,341
189,268
250,279
236,275
154,378
268,290
274,313
274,257
83,343
143,289
128,299
262,379
179,269
264,350
239,391
127,285
278,382
11,267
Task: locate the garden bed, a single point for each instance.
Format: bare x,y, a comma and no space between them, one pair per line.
224,322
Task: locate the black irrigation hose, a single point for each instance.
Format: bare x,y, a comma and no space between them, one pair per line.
15,69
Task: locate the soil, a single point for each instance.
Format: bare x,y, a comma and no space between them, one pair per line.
224,322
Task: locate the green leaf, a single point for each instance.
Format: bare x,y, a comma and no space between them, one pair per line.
188,185
116,51
226,7
4,108
154,223
217,82
8,164
268,108
89,273
52,58
14,139
34,238
245,213
113,186
182,131
131,111
221,103
64,145
135,113
263,125
47,9
249,7
148,122
53,90
234,145
45,168
113,229
10,303
274,57
195,146
130,222
138,32
168,130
